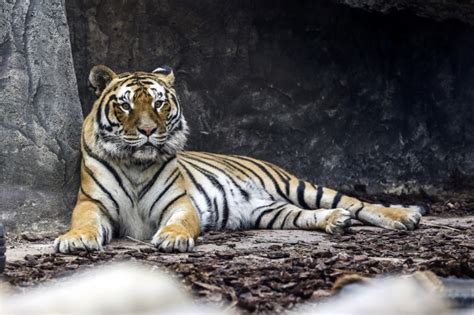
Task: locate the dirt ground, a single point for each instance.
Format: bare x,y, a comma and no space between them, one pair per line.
268,271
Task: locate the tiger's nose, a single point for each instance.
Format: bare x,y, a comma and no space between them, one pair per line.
147,131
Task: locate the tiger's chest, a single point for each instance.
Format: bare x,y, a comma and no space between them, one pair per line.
136,195
153,189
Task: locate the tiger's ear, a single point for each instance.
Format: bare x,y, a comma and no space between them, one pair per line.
165,73
99,77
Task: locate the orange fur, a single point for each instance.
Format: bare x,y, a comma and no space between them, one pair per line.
187,223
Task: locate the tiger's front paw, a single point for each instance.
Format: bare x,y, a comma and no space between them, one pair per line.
173,238
80,239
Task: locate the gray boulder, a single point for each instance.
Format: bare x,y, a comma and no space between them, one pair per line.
41,116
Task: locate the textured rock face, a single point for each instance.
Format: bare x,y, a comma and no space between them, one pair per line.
462,10
337,95
41,116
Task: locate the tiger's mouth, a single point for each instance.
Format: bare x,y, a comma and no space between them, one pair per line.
138,143
147,146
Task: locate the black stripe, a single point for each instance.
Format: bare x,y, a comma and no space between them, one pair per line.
104,211
356,213
278,170
109,168
107,109
273,220
148,82
161,195
275,184
124,75
205,225
226,211
105,233
144,77
218,185
106,112
165,209
171,176
296,218
283,177
266,206
101,206
196,205
257,222
216,206
150,183
176,129
135,78
240,168
197,185
242,192
247,168
336,200
91,174
300,192
225,163
173,121
284,220
98,118
319,195
179,127
251,178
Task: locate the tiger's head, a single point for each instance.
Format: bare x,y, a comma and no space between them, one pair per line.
137,116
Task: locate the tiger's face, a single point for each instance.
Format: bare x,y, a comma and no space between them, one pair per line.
137,115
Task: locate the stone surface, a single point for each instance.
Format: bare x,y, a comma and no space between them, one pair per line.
338,95
462,10
41,116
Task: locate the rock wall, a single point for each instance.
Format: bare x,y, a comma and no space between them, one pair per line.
338,95
41,116
439,10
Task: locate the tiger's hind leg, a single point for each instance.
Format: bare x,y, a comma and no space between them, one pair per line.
397,218
285,216
285,187
310,196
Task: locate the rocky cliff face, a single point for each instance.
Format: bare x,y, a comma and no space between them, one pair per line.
338,95
41,116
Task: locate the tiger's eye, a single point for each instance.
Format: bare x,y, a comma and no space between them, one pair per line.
158,104
125,106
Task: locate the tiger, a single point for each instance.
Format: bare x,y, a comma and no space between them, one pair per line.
137,180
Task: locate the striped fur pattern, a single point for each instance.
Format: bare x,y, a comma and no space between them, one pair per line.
137,181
